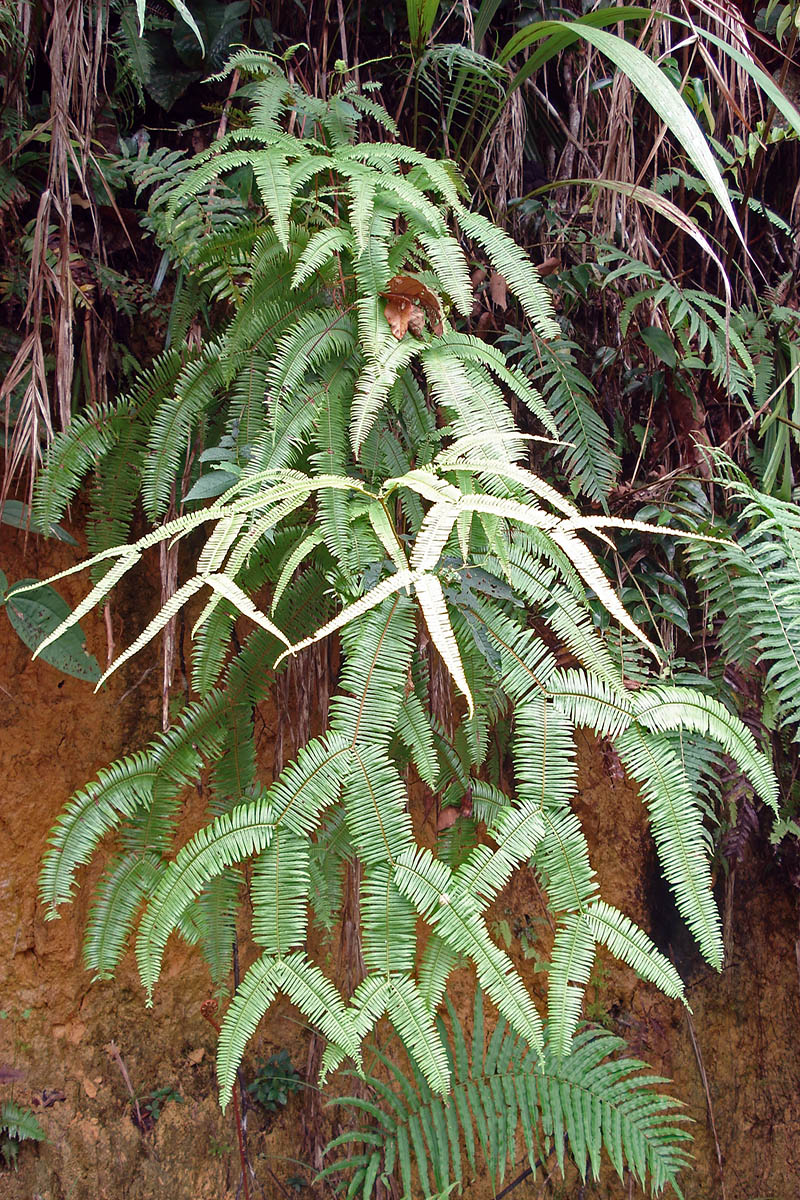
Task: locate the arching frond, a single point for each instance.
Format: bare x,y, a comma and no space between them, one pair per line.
505,1100
676,822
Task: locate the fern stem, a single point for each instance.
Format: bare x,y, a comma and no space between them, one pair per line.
208,1008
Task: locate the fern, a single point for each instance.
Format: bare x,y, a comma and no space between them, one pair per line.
588,455
379,492
507,1101
753,588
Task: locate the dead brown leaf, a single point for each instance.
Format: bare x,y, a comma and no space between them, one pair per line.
498,290
406,298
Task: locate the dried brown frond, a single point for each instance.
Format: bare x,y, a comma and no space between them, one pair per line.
501,164
74,47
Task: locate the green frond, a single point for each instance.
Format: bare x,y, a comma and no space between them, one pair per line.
20,1123
275,185
516,831
516,268
377,652
755,587
321,249
375,804
279,890
313,337
372,268
673,708
230,838
588,700
575,1104
414,731
72,454
571,962
471,349
89,438
474,403
415,1024
456,918
588,454
215,911
633,946
388,923
391,357
252,1000
435,968
91,813
210,647
448,261
545,759
115,491
125,883
172,427
434,609
676,822
327,855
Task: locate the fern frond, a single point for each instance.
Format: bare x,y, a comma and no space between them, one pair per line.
280,890
305,986
588,1100
115,904
378,651
676,821
672,708
91,813
516,268
588,454
172,425
234,836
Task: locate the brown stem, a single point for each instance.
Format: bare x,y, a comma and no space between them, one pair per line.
709,1105
208,1008
112,1049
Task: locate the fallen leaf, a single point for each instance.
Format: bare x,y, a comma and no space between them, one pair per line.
498,290
402,295
549,266
90,1088
196,1056
398,313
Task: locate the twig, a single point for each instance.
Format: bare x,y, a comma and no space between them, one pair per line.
112,1049
516,1182
226,108
709,1105
138,683
760,411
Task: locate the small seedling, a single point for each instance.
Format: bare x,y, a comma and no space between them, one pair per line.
151,1106
274,1080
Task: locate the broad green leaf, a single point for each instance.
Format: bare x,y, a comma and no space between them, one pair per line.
36,614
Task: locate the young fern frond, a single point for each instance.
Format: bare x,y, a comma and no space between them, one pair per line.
506,1100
